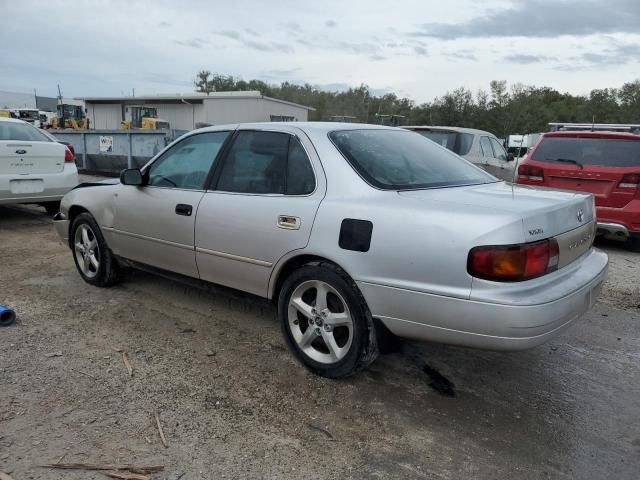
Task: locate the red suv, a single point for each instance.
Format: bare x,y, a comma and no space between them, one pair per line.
606,164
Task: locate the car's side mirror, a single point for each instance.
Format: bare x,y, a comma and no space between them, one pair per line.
510,157
131,176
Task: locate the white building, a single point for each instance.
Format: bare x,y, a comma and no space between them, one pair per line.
186,112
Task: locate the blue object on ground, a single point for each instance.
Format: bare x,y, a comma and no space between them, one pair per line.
7,316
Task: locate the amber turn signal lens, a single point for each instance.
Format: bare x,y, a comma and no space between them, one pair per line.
513,263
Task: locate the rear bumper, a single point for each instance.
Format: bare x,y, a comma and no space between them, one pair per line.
525,322
610,220
53,186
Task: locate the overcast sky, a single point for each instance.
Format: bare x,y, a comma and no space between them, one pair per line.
416,48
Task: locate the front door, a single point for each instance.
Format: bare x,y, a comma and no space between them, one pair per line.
263,200
154,224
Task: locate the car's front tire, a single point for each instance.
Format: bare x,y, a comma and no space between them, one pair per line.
634,243
326,321
93,258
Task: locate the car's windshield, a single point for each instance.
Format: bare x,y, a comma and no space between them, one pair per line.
29,114
610,152
402,160
21,131
457,142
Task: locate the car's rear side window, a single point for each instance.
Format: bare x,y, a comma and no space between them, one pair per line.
609,152
261,162
457,142
400,160
21,132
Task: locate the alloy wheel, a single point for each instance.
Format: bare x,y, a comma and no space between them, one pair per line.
87,251
320,321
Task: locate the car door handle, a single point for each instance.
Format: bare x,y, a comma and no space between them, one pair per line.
289,222
184,209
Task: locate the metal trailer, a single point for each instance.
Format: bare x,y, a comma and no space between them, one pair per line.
110,151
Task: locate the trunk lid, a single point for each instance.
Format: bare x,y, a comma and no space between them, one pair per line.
603,184
567,216
19,157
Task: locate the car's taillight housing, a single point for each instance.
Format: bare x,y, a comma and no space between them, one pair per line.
630,181
514,263
531,172
68,155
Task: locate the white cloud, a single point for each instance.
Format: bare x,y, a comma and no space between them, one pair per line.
159,46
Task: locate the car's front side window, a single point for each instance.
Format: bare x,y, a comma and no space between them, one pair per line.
485,146
498,150
187,164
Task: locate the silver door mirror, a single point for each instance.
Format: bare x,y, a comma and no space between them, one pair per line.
131,176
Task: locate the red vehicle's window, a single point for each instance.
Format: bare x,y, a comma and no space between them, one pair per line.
610,152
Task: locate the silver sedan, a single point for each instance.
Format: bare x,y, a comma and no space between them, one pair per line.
357,233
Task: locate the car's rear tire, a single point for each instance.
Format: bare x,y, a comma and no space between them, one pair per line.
94,260
634,243
326,322
51,207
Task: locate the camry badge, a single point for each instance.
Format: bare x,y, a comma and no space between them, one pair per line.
580,215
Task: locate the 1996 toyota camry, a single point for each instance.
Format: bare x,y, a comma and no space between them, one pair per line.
354,230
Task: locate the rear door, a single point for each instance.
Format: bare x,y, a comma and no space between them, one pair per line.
262,205
606,166
25,150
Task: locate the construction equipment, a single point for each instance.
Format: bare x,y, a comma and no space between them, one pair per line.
70,116
146,118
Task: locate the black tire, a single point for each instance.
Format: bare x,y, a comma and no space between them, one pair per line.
634,243
363,348
108,270
51,207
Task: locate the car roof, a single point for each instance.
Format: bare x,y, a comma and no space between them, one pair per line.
593,134
305,126
14,120
473,131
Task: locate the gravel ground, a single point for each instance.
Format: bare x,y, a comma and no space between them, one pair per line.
234,404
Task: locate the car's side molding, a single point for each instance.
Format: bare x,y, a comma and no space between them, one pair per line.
145,237
253,261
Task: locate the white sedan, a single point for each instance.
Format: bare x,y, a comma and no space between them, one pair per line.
34,168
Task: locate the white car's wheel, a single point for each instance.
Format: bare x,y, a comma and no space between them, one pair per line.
326,321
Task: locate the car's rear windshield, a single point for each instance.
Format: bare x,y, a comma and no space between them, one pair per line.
457,142
610,152
402,160
21,132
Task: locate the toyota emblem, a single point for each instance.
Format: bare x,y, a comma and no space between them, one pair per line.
580,215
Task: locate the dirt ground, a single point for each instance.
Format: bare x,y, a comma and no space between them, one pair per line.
233,403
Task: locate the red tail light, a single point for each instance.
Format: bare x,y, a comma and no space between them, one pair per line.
513,263
630,180
531,172
68,155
